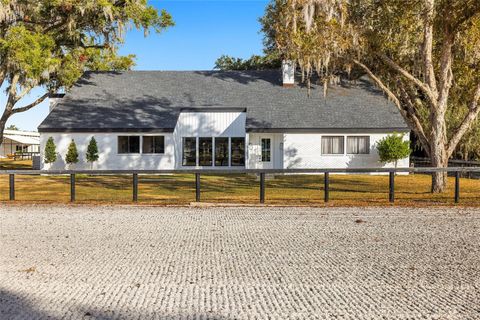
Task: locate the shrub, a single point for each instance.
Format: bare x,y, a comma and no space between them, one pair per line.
92,151
392,148
50,151
72,153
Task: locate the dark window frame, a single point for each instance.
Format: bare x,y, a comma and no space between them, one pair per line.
354,153
128,145
154,138
200,156
227,149
333,154
266,157
184,163
242,163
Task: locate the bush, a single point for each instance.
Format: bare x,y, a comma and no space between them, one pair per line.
392,148
50,151
72,153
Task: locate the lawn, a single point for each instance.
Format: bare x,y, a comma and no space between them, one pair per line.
282,190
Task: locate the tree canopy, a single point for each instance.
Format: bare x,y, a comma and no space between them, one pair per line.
49,44
424,54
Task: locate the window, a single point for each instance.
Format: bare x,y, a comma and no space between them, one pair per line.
332,145
266,150
238,151
205,151
221,152
189,152
153,144
358,145
128,144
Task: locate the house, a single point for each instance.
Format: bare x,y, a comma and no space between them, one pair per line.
147,120
19,142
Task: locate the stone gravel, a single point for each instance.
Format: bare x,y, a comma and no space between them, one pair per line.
239,263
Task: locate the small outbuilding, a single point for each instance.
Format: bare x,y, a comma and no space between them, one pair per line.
20,144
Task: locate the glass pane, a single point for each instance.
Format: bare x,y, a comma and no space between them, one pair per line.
148,145
134,144
122,144
238,151
358,145
221,152
266,150
189,151
153,144
332,145
205,147
159,142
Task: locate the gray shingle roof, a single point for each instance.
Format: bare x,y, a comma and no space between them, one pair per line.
152,100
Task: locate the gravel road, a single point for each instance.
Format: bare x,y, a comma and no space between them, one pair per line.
239,263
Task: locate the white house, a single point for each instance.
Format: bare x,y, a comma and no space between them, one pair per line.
149,120
17,141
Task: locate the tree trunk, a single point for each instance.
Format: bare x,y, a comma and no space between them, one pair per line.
438,151
3,123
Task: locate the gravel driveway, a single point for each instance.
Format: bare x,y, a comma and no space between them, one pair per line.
239,263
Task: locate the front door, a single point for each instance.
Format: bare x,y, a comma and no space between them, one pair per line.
266,152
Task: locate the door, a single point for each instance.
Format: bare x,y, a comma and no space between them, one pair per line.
266,152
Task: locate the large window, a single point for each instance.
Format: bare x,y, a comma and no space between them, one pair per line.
332,145
205,151
358,145
128,144
238,151
153,144
221,152
266,150
189,152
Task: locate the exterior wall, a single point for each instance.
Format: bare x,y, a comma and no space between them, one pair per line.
207,124
109,158
304,151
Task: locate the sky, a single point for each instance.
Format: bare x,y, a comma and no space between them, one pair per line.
204,31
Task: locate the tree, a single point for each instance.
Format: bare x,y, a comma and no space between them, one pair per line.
72,153
49,44
424,54
392,148
92,151
255,62
50,151
12,127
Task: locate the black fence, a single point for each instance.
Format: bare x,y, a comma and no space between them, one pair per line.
456,171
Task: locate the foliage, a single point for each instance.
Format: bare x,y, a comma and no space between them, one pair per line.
392,148
12,127
49,44
92,151
50,151
255,62
425,56
72,153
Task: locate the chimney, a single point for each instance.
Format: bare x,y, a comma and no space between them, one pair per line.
53,100
288,73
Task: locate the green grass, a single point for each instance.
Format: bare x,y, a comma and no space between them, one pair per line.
179,189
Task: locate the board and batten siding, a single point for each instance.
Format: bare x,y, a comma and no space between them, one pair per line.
206,124
109,158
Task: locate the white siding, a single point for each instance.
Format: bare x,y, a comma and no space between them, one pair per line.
109,158
207,124
304,151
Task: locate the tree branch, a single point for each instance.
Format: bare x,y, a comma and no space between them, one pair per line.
474,110
428,46
446,75
408,114
410,77
31,105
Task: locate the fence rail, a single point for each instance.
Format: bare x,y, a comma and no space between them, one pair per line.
260,172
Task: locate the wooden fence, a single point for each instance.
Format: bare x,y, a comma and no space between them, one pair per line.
456,171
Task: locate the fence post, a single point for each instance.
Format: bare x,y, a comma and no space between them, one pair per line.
391,195
12,187
457,186
262,187
326,182
72,187
135,187
197,187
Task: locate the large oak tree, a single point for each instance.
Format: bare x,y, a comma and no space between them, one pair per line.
424,54
50,43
